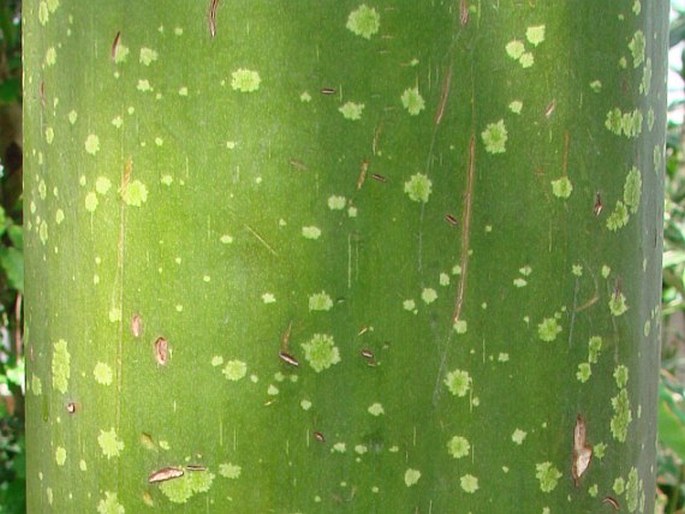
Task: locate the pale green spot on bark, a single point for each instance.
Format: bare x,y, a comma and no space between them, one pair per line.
647,328
180,490
61,366
606,271
320,302
618,218
226,239
412,101
411,477
519,436
364,21
103,185
619,485
42,189
460,326
458,382
36,385
548,476
376,409
117,121
548,329
577,270
320,352
617,304
632,190
458,447
444,279
562,188
50,56
503,357
60,456
144,86
352,211
621,375
167,179
418,188
305,404
516,106
148,56
82,465
429,295
361,449
217,360
272,390
339,447
351,110
622,416
632,490
92,144
535,34
121,53
109,444
114,315
594,349
43,13
110,505
409,305
596,86
268,298
515,49
234,370
103,374
43,232
527,60
599,450
469,483
135,193
637,48
584,372
311,232
593,490
646,82
305,97
183,91
91,201
229,470
495,137
336,203
245,81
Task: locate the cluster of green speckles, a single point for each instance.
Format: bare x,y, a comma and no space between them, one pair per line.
320,352
364,21
562,188
646,82
245,81
418,187
637,48
102,373
621,375
584,372
60,456
36,385
548,329
632,190
135,193
45,8
594,348
413,101
548,475
311,232
230,470
411,477
109,444
320,302
458,382
618,218
91,201
110,504
617,304
458,447
92,144
629,124
179,490
351,110
495,137
61,368
519,436
234,370
622,416
468,483
632,490
147,56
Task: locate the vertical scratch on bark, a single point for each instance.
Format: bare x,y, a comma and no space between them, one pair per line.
444,94
261,240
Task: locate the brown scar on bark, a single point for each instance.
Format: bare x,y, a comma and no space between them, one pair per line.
211,17
551,107
582,452
164,474
597,207
463,12
161,351
376,138
136,325
364,167
115,45
298,164
610,500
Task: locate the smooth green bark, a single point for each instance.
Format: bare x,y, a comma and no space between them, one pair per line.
339,257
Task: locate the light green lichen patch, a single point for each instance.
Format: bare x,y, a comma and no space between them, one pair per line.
527,60
103,185
135,193
548,329
621,375
91,201
519,436
376,409
102,373
548,476
596,86
584,372
234,370
305,97
411,477
320,352
109,444
351,110
593,490
618,218
61,366
651,118
49,135
619,485
458,382
646,82
336,203
617,304
144,86
632,190
114,315
495,137
229,470
36,385
535,34
245,81
409,305
412,101
217,360
110,504
622,416
429,295
43,13
460,326
272,390
60,456
226,239
180,490
268,298
147,56
364,21
92,144
469,483
577,270
320,302
628,124
515,49
418,187
594,349
599,450
562,188
458,447
516,106
637,48
305,404
632,490
43,232
444,279
311,232
121,53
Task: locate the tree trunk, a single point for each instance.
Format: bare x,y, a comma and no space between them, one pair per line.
330,257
